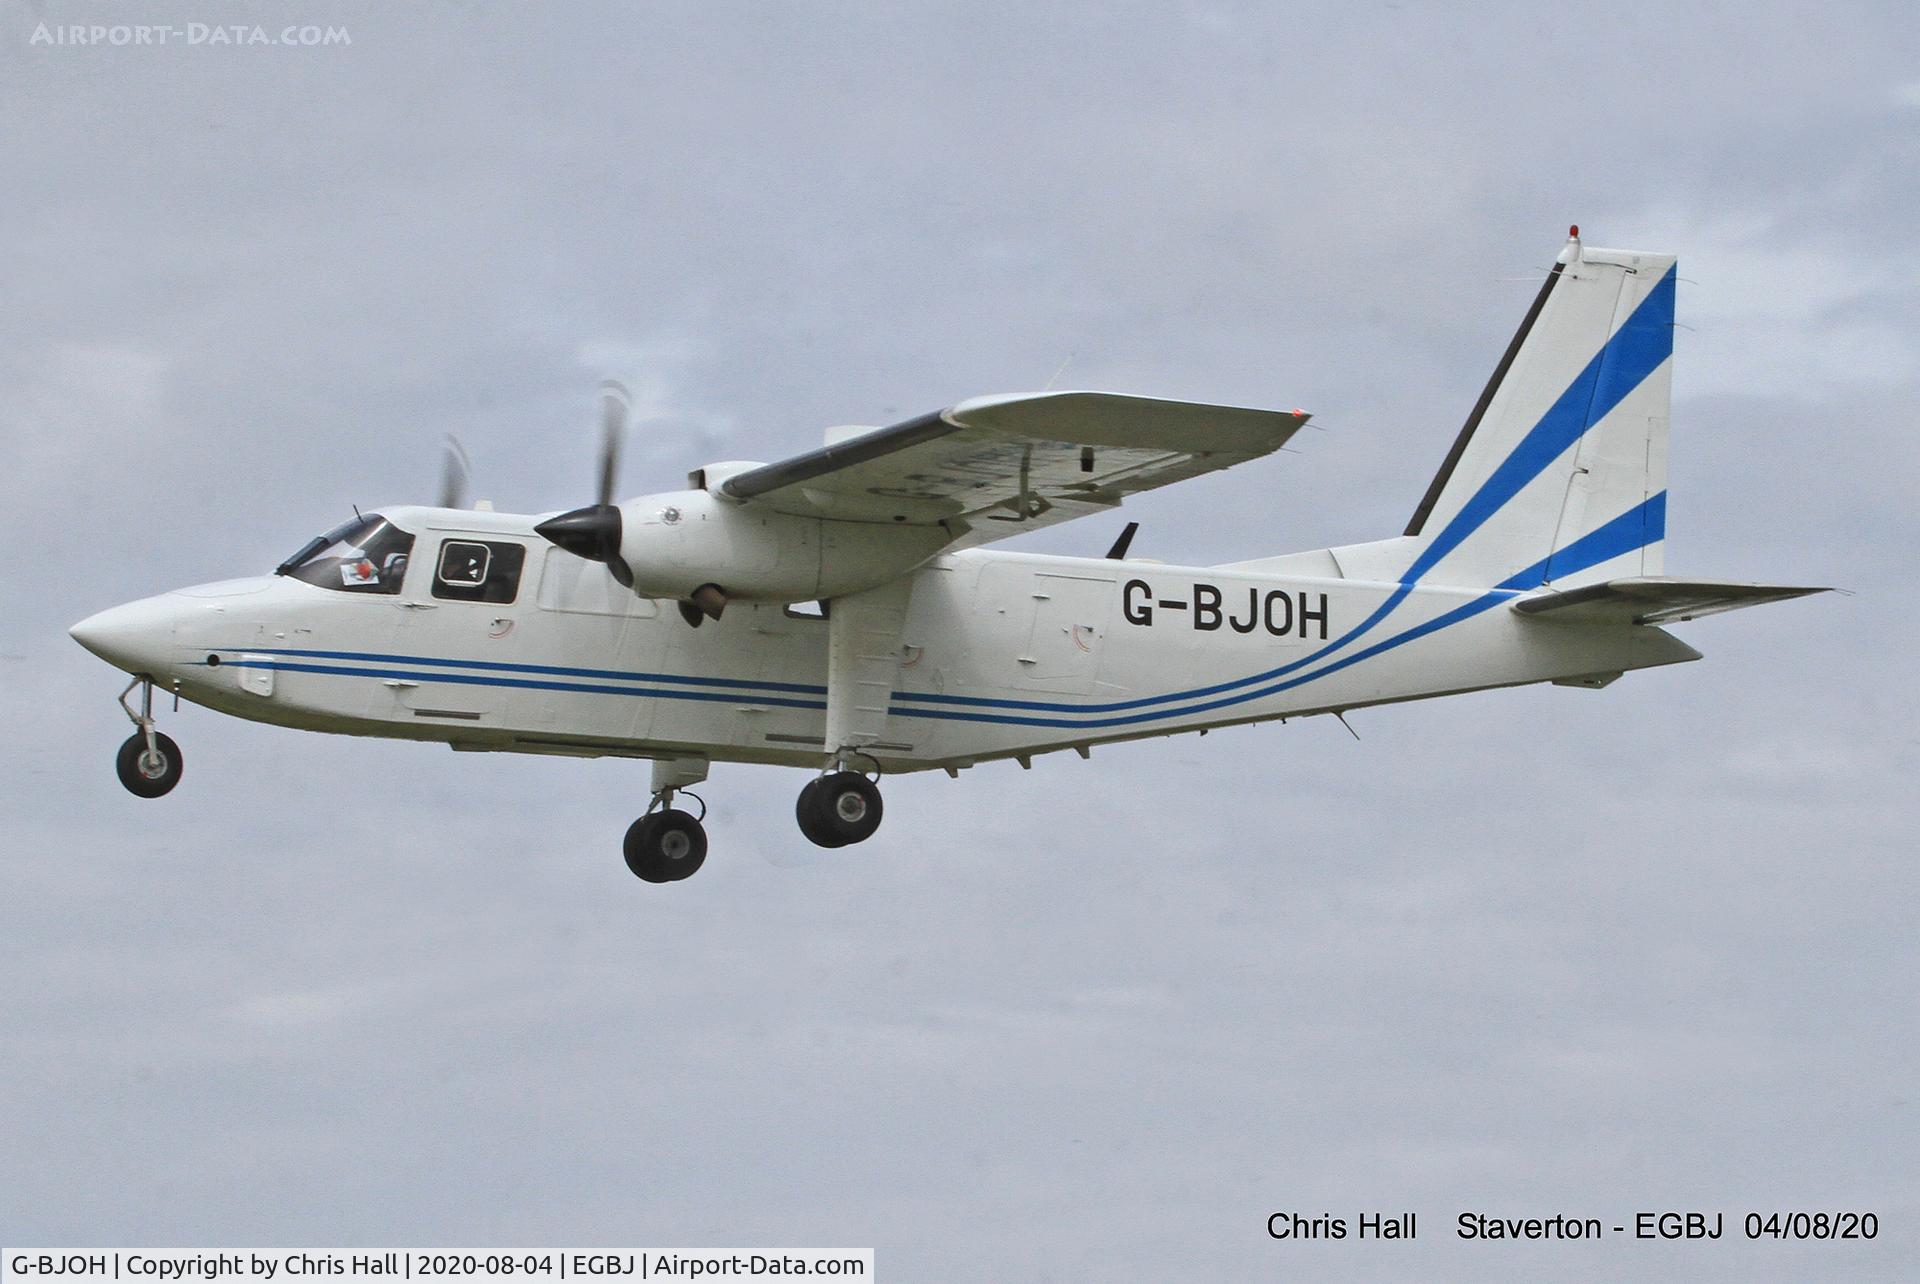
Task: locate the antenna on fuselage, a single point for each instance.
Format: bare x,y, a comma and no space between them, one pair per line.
1058,371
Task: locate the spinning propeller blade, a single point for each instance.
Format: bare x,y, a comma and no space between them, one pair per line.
456,474
615,406
595,532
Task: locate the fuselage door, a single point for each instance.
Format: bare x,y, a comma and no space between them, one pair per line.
462,609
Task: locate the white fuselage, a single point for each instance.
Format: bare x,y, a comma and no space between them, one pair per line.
1005,654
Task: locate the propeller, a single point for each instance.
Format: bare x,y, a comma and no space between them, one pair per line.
615,405
456,474
594,532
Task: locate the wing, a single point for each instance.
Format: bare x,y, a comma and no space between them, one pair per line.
991,467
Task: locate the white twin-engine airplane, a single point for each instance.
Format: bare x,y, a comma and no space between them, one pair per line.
1535,556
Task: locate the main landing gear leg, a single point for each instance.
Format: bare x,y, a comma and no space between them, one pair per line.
840,807
667,844
865,632
149,763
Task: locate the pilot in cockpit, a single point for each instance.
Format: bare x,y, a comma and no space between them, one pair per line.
366,555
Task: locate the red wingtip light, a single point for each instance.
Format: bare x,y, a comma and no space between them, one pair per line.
1573,233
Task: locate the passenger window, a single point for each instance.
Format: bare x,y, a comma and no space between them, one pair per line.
464,565
472,570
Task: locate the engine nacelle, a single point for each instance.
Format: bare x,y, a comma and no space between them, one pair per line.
681,541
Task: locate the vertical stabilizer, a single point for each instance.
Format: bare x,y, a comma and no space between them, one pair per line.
1559,475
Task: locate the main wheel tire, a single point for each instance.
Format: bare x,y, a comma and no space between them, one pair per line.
665,846
813,821
148,775
839,809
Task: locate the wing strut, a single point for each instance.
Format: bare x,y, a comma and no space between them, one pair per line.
864,632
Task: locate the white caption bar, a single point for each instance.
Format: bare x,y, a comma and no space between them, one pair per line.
452,1265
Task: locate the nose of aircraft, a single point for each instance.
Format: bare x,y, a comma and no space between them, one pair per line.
134,637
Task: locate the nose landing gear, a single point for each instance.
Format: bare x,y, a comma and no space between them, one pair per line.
149,763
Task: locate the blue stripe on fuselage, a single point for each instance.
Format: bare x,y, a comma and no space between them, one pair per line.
536,684
621,675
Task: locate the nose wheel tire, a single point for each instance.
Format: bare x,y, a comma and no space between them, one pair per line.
838,809
665,846
146,772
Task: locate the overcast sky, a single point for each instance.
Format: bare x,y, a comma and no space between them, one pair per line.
1530,952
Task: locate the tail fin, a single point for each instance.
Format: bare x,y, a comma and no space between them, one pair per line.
1560,474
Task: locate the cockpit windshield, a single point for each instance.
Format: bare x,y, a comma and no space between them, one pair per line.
366,555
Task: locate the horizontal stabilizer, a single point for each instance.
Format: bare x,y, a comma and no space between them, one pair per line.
1652,600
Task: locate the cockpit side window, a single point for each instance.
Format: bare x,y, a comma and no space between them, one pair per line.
472,570
366,555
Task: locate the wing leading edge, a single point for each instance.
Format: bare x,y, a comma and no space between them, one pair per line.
991,467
